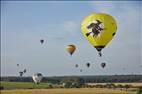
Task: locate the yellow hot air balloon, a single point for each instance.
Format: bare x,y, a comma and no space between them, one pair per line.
71,49
99,29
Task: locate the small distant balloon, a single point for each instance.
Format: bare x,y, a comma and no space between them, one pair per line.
18,65
88,65
71,49
25,71
37,77
103,65
76,65
41,41
21,73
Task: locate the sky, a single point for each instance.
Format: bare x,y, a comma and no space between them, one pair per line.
24,23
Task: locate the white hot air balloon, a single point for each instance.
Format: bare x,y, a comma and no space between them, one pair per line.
37,77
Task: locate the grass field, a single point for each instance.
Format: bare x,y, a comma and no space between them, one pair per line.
43,88
132,84
23,85
67,91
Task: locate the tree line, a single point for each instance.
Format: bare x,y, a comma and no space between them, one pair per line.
86,79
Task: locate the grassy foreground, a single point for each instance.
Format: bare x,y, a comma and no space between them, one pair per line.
23,85
67,91
43,88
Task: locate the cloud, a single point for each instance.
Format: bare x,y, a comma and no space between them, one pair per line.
70,26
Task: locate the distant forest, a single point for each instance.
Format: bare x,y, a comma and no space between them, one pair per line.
87,79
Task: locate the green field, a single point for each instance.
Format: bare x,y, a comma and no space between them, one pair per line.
67,91
23,85
43,88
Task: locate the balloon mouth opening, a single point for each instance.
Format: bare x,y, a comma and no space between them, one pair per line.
99,48
71,53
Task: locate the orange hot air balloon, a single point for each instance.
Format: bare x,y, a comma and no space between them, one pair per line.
71,49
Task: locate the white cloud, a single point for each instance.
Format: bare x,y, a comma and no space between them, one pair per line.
70,26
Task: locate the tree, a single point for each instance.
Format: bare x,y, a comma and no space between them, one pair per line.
139,91
72,82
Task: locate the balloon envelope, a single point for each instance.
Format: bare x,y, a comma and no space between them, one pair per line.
37,78
17,64
88,65
71,49
80,70
99,29
21,73
25,71
103,65
76,65
41,41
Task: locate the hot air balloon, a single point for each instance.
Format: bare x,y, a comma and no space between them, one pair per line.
88,65
103,65
41,41
99,29
21,73
80,70
71,49
37,77
18,65
76,65
25,71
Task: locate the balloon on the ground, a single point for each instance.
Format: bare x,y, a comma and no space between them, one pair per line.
37,77
99,29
